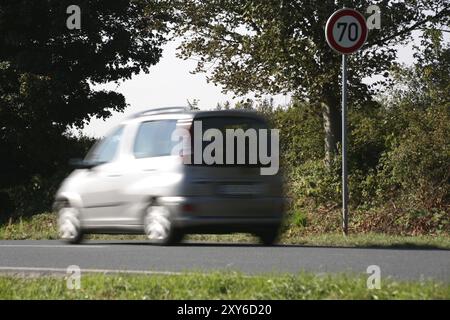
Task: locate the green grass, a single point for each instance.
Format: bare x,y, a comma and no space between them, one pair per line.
375,240
217,286
38,227
43,226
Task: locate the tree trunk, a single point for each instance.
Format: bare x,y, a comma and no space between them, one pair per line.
332,127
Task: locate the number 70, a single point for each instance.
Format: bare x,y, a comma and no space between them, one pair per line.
351,28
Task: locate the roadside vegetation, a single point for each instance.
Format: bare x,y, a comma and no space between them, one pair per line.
43,227
217,286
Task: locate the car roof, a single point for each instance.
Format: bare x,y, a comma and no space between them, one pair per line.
186,112
180,113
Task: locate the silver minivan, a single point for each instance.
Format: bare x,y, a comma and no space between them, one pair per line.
130,182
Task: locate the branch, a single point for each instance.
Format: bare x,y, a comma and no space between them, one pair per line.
417,25
437,29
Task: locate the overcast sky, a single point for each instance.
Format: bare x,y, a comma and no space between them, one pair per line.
169,83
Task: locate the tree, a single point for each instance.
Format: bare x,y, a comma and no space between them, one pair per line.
279,46
417,116
47,72
427,82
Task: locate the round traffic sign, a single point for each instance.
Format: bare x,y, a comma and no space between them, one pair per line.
346,31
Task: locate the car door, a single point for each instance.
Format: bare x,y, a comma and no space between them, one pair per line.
152,151
101,191
153,169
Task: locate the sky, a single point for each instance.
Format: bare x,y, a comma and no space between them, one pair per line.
170,83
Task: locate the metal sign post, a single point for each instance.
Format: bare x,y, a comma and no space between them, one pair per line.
344,147
345,32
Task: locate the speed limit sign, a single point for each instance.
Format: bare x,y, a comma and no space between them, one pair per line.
346,31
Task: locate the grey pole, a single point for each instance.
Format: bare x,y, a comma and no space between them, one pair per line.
344,147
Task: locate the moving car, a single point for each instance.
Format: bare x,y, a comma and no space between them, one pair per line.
130,182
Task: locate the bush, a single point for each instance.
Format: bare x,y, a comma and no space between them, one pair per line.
301,132
399,172
315,184
36,194
417,168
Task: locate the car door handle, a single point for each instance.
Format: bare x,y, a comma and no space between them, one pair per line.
112,175
149,170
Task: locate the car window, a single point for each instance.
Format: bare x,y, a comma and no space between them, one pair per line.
232,122
106,149
153,139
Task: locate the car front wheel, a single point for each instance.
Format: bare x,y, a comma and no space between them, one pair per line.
69,225
158,226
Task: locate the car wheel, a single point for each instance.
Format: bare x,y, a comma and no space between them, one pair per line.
268,237
158,226
69,225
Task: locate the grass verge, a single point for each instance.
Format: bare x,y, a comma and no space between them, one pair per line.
217,286
43,226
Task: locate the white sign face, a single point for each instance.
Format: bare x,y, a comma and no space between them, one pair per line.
346,31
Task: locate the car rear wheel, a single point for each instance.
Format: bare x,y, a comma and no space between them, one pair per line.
158,226
268,237
69,225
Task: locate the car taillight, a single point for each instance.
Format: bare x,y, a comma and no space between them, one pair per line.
188,207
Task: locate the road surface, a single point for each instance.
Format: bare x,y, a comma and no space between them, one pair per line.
134,256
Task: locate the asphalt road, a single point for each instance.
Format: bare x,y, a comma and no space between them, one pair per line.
131,256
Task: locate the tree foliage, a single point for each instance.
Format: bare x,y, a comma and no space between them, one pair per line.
47,72
279,46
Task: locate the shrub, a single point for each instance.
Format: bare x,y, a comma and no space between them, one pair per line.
417,167
36,194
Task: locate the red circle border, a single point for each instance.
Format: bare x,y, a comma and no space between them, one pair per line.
329,30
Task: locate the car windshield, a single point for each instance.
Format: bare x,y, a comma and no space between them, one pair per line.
105,149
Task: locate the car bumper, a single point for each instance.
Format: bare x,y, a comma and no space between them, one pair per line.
220,214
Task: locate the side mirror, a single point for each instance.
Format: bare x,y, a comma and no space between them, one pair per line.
83,164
